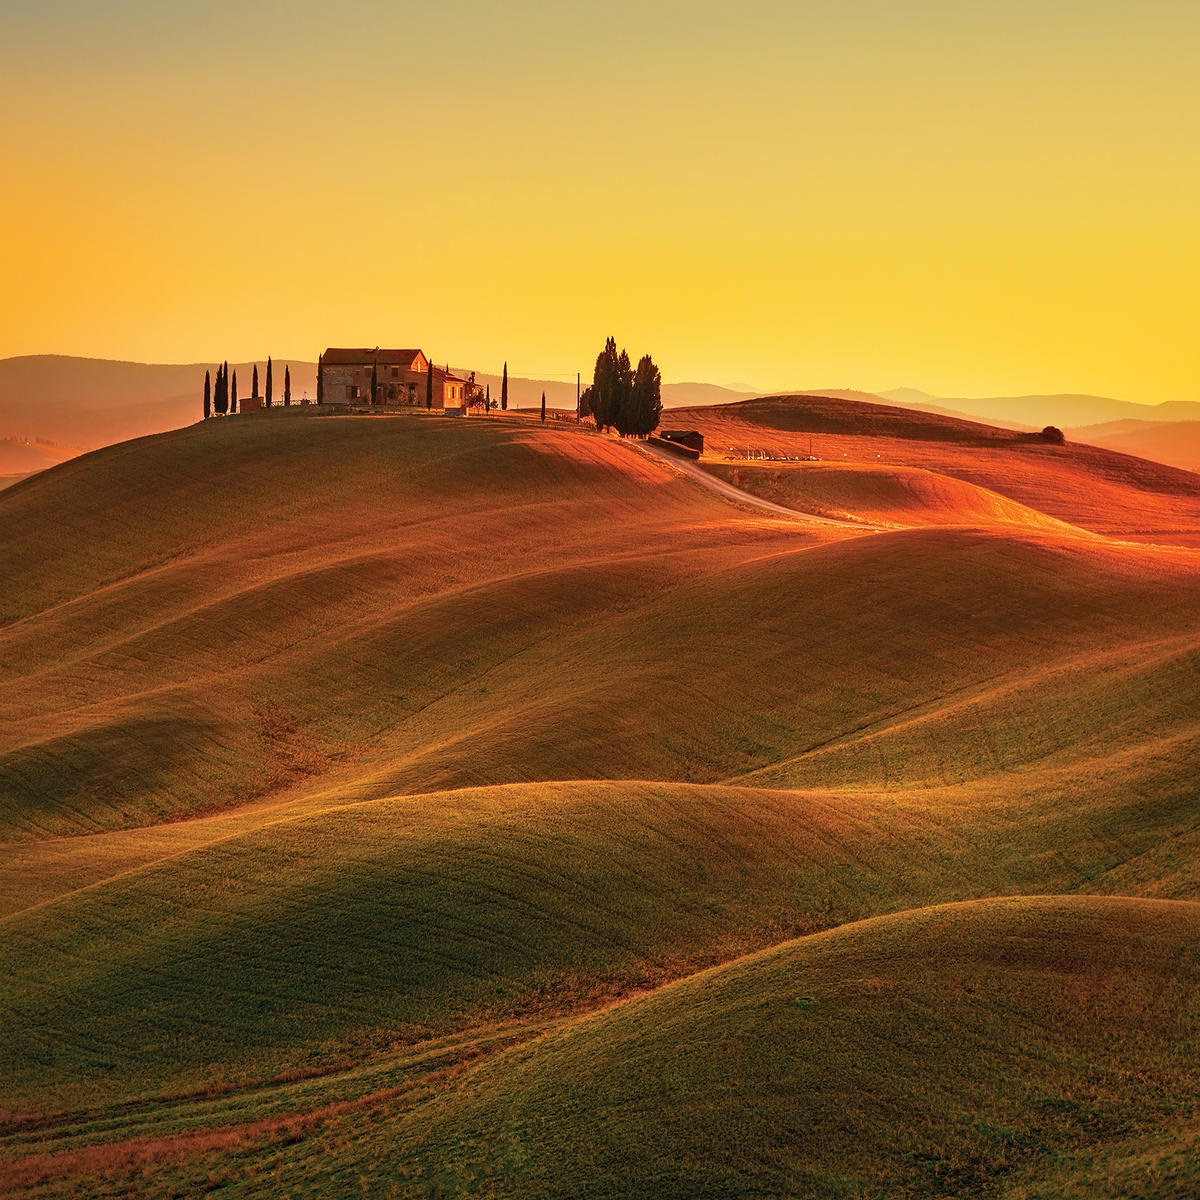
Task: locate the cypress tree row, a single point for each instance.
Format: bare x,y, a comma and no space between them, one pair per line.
287,385
504,389
267,397
207,395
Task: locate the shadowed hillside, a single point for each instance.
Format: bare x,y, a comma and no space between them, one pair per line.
389,806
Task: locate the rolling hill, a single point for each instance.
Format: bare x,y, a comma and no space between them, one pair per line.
411,806
1098,490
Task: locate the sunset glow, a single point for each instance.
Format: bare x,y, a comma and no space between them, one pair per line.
968,199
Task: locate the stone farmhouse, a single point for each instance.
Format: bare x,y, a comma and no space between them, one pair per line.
401,379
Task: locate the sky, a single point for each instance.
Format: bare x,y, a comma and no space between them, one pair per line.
969,198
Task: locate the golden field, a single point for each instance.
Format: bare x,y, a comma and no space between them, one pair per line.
408,806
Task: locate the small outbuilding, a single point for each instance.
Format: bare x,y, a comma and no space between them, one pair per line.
691,438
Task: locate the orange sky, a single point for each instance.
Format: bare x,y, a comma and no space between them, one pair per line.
860,194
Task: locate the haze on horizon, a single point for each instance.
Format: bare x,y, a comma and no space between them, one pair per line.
985,199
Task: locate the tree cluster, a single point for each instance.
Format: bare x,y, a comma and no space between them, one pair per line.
220,398
621,398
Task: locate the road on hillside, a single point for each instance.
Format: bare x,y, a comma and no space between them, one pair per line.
687,467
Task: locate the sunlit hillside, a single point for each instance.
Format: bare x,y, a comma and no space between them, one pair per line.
411,806
1100,490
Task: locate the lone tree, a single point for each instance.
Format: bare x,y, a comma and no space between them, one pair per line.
543,406
504,389
233,395
267,397
1053,435
254,384
429,387
287,385
207,395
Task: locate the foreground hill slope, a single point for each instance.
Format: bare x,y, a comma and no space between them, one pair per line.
933,1053
1029,1046
389,805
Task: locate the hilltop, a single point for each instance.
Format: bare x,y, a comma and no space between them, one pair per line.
394,804
89,402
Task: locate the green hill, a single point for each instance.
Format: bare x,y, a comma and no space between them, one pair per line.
390,804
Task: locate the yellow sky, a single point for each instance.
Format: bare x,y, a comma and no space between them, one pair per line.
971,199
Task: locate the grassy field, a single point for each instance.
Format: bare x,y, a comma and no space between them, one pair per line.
408,806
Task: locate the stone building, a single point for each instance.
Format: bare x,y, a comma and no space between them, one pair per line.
401,379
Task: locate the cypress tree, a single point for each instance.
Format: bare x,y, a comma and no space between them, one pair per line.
233,395
287,384
221,395
267,398
543,406
487,397
207,395
254,384
646,405
504,389
622,398
429,386
375,381
320,379
605,385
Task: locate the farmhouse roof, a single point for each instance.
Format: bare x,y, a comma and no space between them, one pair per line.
342,357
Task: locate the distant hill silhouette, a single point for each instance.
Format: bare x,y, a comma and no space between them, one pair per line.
1068,410
1176,443
20,456
93,402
